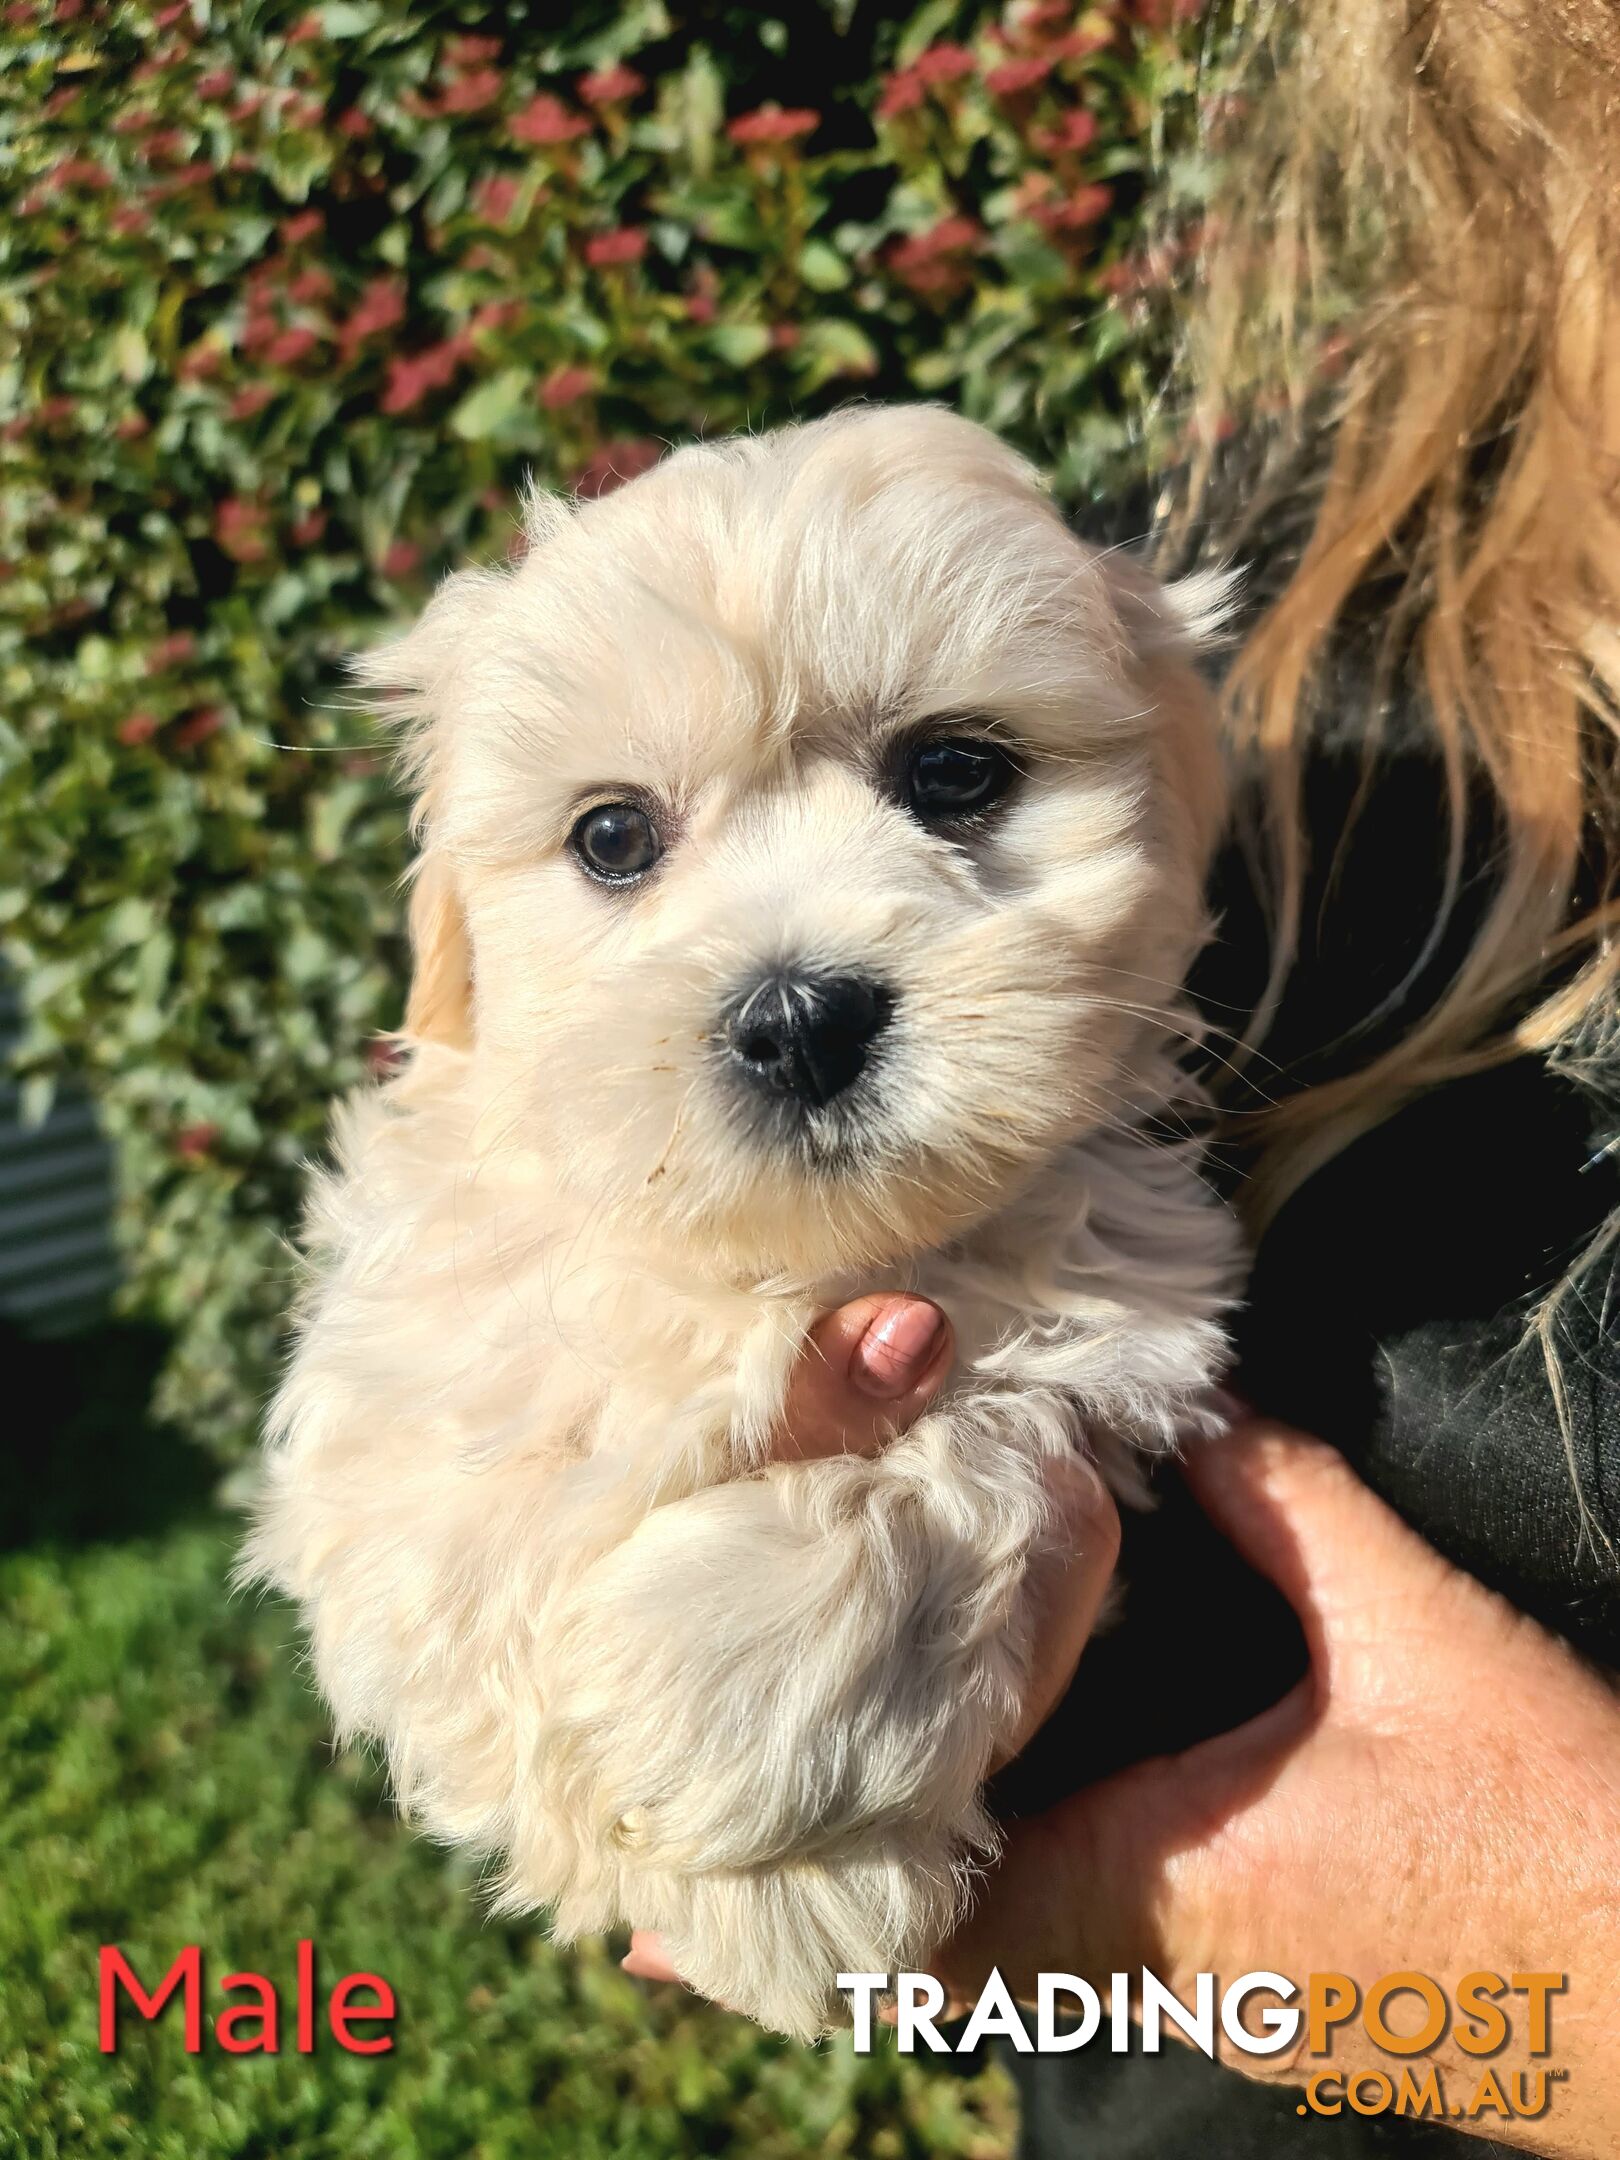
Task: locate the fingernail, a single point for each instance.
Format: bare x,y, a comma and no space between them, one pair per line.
894,1353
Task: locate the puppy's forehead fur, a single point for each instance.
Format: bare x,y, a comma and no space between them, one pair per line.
813,588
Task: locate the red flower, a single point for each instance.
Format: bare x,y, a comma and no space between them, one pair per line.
173,651
1014,77
784,336
192,1142
566,386
770,124
495,315
291,346
191,175
198,726
413,375
200,364
137,728
307,531
239,529
129,218
607,250
496,198
902,92
251,400
176,11
949,237
1081,44
82,172
466,52
216,84
310,285
304,226
132,427
932,262
380,307
611,86
354,123
164,146
401,558
261,329
547,120
305,31
614,464
1070,212
248,107
1075,132
943,64
472,93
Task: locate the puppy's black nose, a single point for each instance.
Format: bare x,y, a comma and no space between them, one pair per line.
806,1037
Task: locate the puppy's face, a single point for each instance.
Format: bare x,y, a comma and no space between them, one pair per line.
810,828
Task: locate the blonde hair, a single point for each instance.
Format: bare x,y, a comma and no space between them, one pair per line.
1450,171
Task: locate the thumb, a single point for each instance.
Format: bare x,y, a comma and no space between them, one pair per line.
1302,1517
866,1372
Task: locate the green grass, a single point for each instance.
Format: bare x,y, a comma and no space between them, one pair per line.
166,1778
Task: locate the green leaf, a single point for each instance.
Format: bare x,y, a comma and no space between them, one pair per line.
485,410
839,348
132,354
349,18
739,344
822,267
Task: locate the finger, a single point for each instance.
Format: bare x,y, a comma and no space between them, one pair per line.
1069,1583
867,1371
647,1959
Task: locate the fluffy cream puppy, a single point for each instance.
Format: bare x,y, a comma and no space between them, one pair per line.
812,838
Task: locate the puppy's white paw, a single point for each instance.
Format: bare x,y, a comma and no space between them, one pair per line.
770,1712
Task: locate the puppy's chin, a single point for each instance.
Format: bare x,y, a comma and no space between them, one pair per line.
809,1199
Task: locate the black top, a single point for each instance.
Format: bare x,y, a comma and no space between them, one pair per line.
1386,1312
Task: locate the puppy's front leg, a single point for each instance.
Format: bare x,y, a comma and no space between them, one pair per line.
771,1711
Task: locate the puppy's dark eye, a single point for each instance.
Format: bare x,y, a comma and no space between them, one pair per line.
955,775
616,842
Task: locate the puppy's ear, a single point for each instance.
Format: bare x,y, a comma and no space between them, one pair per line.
1179,620
1170,628
413,681
439,1007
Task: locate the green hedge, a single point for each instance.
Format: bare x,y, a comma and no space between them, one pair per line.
293,300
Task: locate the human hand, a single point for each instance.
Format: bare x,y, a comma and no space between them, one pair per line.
1440,1794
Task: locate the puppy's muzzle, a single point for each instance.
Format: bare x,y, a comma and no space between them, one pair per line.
801,1039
